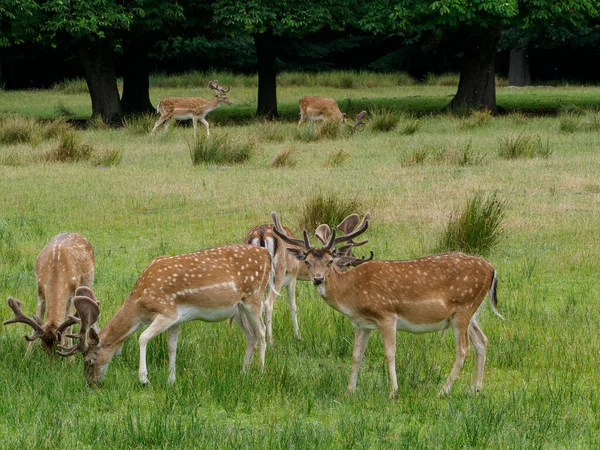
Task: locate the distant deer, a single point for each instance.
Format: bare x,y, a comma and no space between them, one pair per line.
320,108
211,285
287,268
63,266
195,108
420,295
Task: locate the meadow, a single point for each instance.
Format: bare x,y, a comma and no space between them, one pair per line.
136,196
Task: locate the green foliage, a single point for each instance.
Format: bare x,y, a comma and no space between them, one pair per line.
220,149
140,124
410,126
383,120
524,146
17,130
108,158
477,228
476,119
327,208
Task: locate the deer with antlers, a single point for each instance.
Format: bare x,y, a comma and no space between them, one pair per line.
288,269
212,285
421,295
64,264
195,108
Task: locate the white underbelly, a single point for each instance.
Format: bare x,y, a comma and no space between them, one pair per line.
189,312
404,325
319,117
184,117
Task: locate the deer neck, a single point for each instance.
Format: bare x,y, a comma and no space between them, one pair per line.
213,103
335,288
123,324
56,303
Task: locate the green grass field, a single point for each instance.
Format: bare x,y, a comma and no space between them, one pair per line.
541,382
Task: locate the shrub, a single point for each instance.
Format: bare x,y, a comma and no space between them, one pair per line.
337,158
327,208
521,146
220,150
285,158
70,149
477,228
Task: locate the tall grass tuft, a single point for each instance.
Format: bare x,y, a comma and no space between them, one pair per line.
383,120
62,111
477,228
327,208
72,86
317,131
108,158
285,158
19,130
337,158
70,149
477,119
140,124
461,155
220,149
55,129
410,127
518,146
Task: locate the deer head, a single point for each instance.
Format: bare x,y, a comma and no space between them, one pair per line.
220,91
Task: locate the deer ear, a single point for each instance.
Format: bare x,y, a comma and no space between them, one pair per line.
296,253
345,261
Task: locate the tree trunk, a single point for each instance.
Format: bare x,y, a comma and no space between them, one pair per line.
136,85
477,85
518,68
267,74
98,63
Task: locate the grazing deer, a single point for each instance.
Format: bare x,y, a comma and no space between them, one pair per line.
195,108
212,285
419,295
289,269
320,108
63,265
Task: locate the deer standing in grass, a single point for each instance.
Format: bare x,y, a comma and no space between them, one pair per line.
195,108
420,295
211,285
320,108
287,268
64,264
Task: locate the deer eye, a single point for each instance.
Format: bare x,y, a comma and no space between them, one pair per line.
330,263
307,263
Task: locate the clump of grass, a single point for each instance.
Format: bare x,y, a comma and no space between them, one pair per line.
55,129
579,120
62,111
109,158
383,120
72,86
445,79
518,146
285,158
460,155
327,208
410,127
476,119
337,158
271,131
329,130
19,130
569,123
220,150
477,228
97,123
70,149
140,124
418,156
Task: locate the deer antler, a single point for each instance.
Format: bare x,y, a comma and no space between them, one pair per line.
224,91
279,231
88,311
214,84
359,121
348,237
36,323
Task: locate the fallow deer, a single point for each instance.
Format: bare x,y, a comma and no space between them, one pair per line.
420,295
64,264
211,285
195,108
287,268
320,108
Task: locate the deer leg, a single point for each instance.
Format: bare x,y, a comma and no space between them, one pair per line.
158,123
388,333
291,285
158,325
462,348
301,119
205,123
172,335
361,339
270,300
252,312
195,123
479,341
242,321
